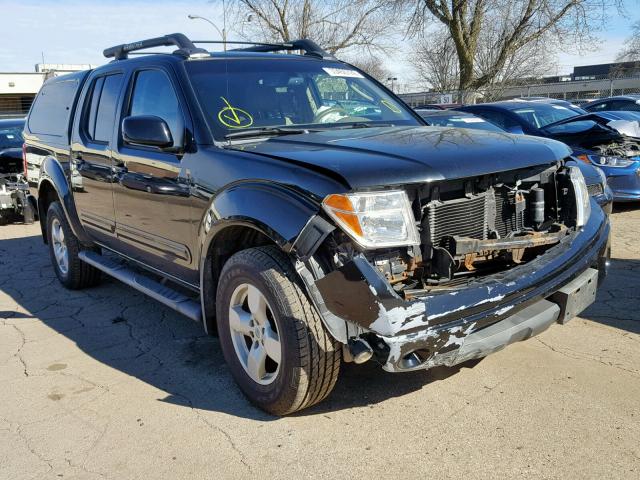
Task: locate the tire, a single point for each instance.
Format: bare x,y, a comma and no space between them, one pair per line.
309,357
72,273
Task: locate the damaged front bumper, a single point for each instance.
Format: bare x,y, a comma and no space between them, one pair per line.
447,328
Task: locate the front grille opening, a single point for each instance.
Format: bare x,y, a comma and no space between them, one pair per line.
489,225
474,228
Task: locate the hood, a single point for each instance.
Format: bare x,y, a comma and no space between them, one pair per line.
367,157
625,123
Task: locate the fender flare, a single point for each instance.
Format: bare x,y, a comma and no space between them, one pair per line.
277,211
52,172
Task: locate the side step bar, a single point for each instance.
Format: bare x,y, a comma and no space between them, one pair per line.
169,297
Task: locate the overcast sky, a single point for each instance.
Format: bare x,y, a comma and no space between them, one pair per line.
72,31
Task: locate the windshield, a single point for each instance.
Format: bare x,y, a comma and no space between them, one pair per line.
461,121
238,94
544,114
10,137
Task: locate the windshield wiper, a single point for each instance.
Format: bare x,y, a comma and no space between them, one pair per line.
265,132
362,125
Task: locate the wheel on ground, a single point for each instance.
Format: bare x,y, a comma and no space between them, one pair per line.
64,248
271,336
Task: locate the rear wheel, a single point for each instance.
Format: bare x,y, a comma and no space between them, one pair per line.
64,248
273,339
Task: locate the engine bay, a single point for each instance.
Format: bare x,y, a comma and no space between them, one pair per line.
471,228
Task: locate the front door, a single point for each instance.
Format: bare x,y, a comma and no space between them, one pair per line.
91,169
151,194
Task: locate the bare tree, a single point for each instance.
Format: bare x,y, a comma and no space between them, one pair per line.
513,25
373,65
436,63
336,25
631,51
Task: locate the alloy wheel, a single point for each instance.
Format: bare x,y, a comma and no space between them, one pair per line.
254,334
60,250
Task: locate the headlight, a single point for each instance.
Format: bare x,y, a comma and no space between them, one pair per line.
374,219
583,204
609,161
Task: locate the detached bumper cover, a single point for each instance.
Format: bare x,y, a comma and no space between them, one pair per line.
439,323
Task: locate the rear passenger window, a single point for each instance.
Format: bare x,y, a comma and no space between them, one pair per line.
153,94
52,107
102,107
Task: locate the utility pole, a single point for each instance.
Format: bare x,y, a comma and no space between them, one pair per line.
392,79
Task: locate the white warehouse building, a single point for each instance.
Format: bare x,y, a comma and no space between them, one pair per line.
18,89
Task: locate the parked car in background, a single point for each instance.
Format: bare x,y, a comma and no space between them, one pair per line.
552,101
437,106
582,101
590,135
629,103
454,118
596,181
16,203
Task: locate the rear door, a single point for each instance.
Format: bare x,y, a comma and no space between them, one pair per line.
152,192
91,147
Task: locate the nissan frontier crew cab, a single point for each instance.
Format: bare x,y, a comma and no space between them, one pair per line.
297,208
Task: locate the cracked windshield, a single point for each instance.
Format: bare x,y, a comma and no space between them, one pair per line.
243,94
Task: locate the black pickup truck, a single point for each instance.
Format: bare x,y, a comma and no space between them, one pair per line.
294,206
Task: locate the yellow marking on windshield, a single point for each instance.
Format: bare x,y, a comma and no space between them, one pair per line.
234,117
390,106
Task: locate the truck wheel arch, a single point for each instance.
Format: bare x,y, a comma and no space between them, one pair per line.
246,215
52,186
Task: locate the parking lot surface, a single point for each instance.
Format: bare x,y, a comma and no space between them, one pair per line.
105,383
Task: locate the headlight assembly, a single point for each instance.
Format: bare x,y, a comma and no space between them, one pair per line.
607,161
374,219
583,204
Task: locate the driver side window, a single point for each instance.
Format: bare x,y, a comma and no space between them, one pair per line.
153,94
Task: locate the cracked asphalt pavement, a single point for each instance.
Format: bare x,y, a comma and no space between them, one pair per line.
105,383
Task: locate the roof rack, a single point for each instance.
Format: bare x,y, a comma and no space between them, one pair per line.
188,49
309,47
185,46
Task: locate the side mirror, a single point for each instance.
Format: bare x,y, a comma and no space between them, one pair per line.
147,130
515,129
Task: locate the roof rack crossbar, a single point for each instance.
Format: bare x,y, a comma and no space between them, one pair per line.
307,46
185,46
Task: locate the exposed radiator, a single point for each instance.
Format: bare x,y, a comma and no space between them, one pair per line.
473,217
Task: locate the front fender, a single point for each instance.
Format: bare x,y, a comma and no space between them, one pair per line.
277,211
52,173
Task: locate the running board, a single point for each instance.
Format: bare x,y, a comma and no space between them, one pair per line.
165,295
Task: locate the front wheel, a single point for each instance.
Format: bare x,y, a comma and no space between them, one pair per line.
271,336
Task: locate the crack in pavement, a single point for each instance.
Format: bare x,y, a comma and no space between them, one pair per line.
586,356
216,428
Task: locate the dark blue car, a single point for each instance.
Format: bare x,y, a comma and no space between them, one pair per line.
628,103
592,137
